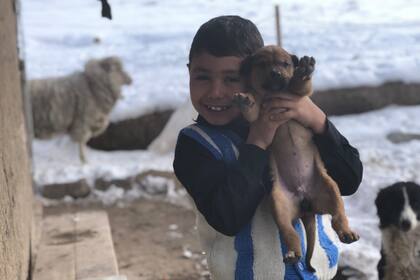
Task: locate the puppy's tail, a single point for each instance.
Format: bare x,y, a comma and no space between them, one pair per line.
310,227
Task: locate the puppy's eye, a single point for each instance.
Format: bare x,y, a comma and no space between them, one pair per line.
286,64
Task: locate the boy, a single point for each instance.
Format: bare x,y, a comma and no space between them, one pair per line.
222,161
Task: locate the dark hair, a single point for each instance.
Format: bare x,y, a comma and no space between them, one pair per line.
227,36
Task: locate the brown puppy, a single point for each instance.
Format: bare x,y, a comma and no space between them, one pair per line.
302,187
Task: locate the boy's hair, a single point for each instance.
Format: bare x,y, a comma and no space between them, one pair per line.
226,36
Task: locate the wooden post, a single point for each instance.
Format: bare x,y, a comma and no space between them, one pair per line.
15,178
278,30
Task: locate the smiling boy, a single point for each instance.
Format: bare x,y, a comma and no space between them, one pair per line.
222,161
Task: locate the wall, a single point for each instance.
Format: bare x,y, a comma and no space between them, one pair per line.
15,178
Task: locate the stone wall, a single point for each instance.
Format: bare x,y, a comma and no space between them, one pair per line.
15,178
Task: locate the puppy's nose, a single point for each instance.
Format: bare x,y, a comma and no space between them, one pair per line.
277,77
276,81
275,74
405,225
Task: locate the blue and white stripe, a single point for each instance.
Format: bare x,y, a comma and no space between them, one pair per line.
256,252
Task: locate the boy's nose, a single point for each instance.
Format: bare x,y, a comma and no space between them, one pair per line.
216,89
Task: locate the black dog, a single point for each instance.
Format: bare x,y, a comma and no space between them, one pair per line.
398,209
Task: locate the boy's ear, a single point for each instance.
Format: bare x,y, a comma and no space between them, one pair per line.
295,60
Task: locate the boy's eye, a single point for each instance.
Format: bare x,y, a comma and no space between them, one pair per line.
202,77
232,79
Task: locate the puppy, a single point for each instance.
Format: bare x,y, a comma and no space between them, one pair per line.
77,104
301,185
398,209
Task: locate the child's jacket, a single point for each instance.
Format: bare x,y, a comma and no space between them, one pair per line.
232,197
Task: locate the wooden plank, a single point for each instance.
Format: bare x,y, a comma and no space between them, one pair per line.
36,229
56,253
95,255
117,277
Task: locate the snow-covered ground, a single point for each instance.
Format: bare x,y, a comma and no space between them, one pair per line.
355,42
384,163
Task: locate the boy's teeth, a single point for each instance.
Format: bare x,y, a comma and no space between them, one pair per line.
218,108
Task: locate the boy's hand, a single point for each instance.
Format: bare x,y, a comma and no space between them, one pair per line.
278,110
301,109
262,130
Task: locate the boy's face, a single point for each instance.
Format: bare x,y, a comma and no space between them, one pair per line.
213,82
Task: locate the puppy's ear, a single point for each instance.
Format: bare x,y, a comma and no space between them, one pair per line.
295,60
246,66
246,69
382,208
389,202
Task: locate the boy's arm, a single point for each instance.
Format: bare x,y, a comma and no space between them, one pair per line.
340,158
227,196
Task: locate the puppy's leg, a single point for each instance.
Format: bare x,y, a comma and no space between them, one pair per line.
301,83
309,222
285,211
329,201
248,105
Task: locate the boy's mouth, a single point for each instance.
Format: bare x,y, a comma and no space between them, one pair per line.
217,108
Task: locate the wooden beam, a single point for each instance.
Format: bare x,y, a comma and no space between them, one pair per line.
77,246
278,27
95,256
56,258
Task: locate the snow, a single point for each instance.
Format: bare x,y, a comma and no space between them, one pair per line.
57,161
355,43
384,163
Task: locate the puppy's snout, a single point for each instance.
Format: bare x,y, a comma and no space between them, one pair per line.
275,82
405,225
275,75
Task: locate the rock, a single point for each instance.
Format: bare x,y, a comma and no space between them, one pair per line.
362,99
401,137
156,181
131,134
103,185
78,189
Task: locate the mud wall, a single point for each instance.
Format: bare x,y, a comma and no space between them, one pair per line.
15,178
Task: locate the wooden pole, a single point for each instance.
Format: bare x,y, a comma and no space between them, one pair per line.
15,173
278,30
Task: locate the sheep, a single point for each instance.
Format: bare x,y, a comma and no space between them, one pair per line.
77,104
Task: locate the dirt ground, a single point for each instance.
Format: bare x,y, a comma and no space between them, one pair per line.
153,239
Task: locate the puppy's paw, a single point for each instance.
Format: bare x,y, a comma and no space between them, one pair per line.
305,68
291,257
243,100
348,236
